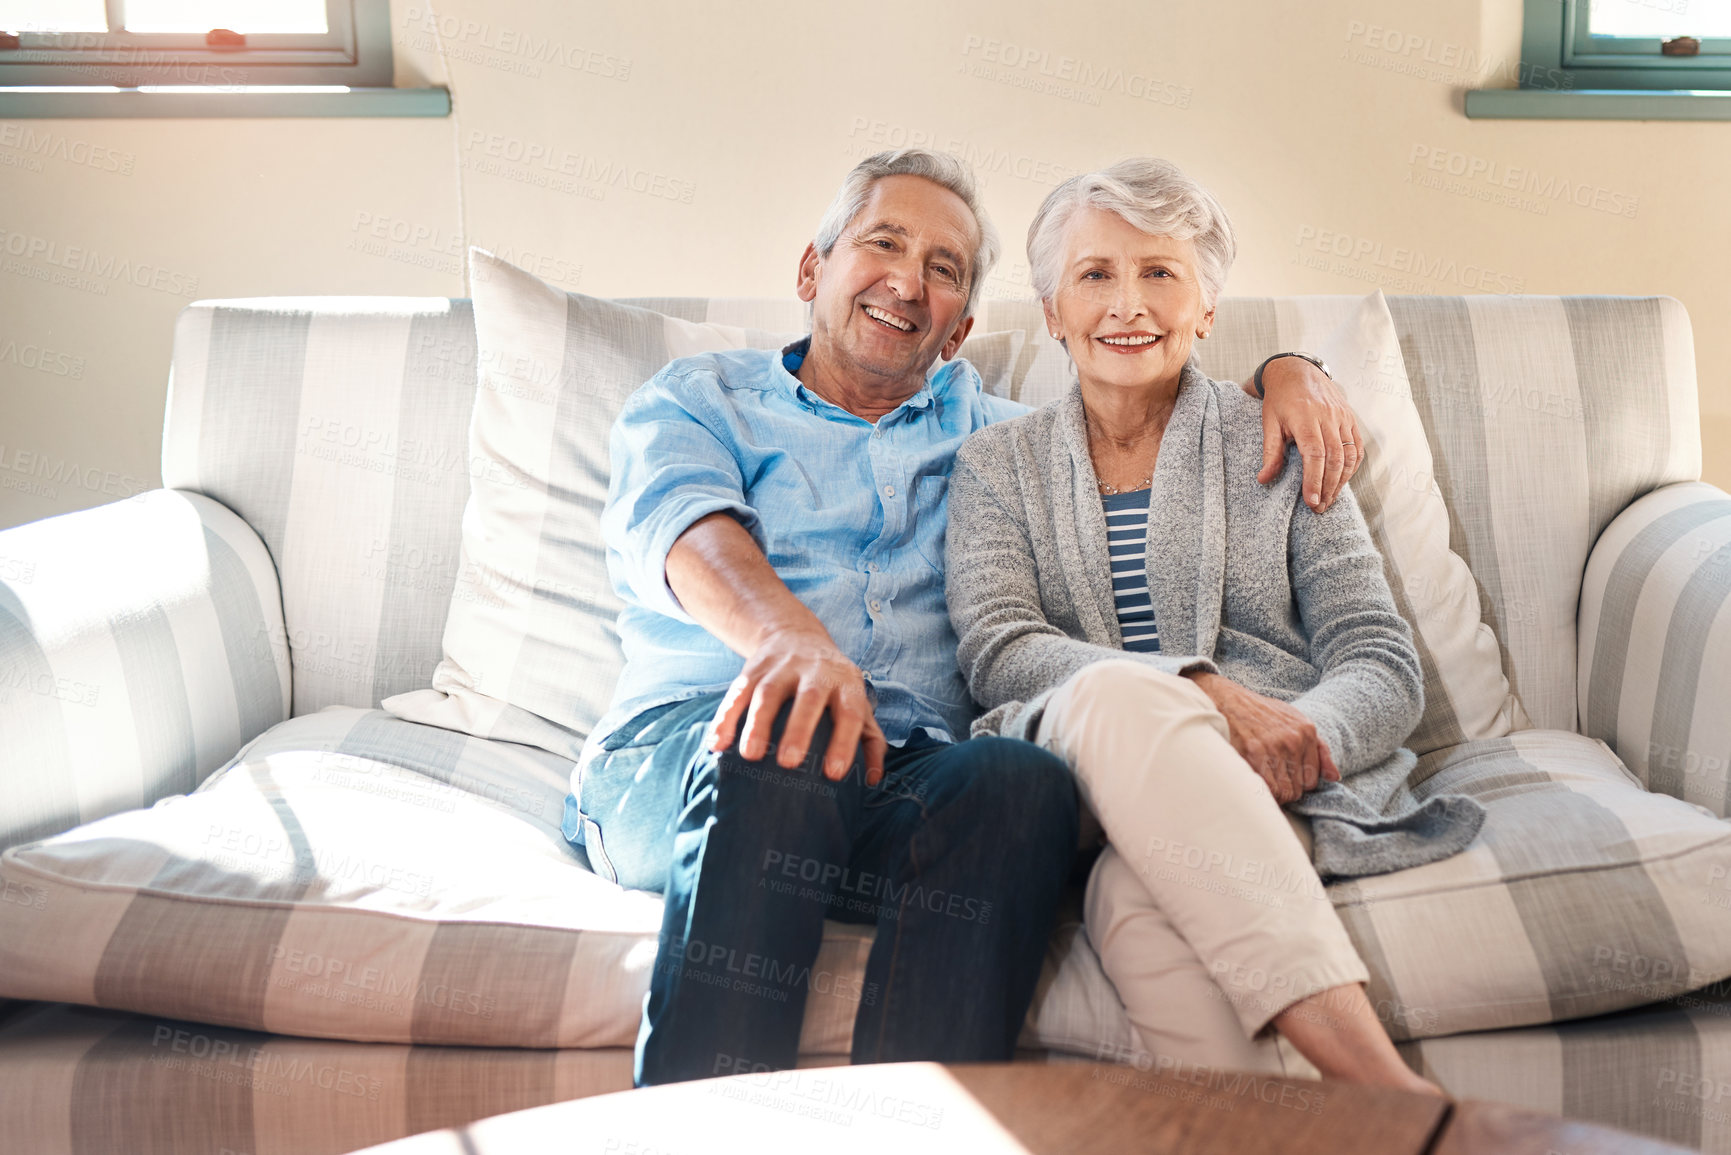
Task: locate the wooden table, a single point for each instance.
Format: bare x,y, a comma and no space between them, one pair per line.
1061,1108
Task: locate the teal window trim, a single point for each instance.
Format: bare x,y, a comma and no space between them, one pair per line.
1596,104
1568,74
1583,50
259,101
355,50
345,71
1558,54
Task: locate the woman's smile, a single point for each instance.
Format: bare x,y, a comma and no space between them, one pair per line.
1130,344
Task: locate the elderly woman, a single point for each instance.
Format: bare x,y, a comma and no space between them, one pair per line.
1200,648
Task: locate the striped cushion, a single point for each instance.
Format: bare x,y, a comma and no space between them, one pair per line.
530,652
356,876
141,644
1654,629
1583,893
1662,1070
337,427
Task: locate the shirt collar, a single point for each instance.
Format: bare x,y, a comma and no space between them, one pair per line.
793,355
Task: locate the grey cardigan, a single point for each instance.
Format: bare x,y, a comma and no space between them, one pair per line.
1245,580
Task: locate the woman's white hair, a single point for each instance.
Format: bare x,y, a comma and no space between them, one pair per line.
1150,194
937,167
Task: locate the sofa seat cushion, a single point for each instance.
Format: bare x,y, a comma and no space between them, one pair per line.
1582,894
354,876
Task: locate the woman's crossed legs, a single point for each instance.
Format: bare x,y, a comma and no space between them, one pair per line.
1205,909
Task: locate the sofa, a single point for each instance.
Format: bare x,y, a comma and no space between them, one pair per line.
283,867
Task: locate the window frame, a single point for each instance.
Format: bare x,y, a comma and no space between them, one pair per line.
354,52
1558,51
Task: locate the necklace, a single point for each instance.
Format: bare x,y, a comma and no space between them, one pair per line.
1159,427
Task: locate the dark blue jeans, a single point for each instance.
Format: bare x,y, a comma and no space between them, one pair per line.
959,857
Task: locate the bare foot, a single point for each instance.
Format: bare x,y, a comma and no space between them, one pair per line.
1338,1031
1419,1085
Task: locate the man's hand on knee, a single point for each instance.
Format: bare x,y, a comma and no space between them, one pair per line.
805,665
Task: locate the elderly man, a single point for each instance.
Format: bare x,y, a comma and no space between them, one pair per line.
783,744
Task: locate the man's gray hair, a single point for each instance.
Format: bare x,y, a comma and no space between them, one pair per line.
937,167
1150,194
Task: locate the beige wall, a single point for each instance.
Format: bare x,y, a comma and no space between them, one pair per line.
728,126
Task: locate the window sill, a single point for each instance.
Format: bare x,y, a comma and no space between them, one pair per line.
1597,104
239,101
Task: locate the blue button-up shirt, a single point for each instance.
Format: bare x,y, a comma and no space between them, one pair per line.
850,514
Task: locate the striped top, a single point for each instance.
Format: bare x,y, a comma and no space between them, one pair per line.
1127,542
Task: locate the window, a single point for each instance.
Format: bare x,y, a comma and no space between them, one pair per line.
1627,44
194,43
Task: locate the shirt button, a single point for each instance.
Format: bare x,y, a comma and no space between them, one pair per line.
875,605
889,491
871,567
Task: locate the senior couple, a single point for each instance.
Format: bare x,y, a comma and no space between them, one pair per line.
1181,647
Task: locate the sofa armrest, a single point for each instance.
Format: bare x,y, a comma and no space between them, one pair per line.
141,645
1655,642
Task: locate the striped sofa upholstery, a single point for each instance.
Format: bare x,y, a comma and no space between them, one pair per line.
141,643
316,454
1652,625
1548,416
82,1081
77,1080
337,427
1662,1070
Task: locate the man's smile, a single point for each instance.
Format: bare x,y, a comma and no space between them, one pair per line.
889,320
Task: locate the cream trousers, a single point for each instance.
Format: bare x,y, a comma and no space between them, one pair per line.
1204,907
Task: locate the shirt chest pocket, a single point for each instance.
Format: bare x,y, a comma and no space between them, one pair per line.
928,517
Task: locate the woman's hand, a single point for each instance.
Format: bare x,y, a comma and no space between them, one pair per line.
1278,741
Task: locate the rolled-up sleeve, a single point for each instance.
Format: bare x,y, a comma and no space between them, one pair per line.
673,462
